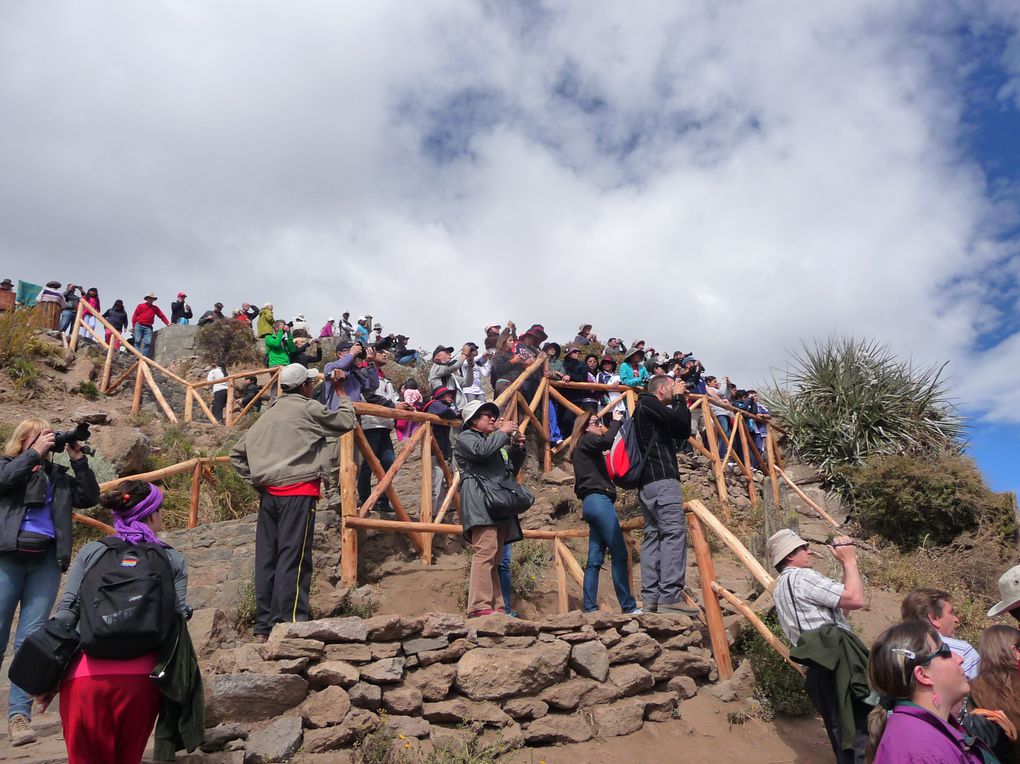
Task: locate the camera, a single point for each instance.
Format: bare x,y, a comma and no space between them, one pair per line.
78,434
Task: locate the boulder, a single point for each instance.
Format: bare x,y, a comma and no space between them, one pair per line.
402,700
572,621
460,710
325,708
660,706
674,662
590,659
681,641
127,448
364,695
684,686
610,637
386,671
444,625
408,726
350,652
515,642
557,728
603,619
285,666
620,718
333,672
631,678
216,738
524,709
499,625
434,681
358,722
664,625
325,629
631,627
566,696
277,648
635,648
380,650
448,654
251,697
208,628
496,673
383,628
425,644
737,687
557,476
277,742
586,634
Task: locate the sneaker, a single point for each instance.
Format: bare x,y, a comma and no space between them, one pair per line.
635,611
480,613
675,608
19,730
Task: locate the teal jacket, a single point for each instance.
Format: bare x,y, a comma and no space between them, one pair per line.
841,652
181,721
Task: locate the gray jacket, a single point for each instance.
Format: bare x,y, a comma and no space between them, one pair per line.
386,390
69,606
449,375
288,442
482,456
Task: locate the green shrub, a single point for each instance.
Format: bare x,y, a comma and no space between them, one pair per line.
87,389
19,340
527,567
778,687
845,400
25,374
229,341
244,611
929,500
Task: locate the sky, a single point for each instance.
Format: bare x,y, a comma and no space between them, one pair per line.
731,178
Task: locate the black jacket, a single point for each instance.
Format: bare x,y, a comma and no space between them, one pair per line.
441,432
179,310
80,490
181,721
118,318
661,430
590,474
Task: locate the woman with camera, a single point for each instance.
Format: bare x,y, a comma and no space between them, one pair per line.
36,500
488,448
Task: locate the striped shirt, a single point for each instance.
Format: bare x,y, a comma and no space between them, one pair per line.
807,600
965,650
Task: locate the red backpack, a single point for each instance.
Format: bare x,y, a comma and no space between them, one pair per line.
625,460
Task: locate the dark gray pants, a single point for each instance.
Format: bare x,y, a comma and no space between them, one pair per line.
283,560
664,544
821,688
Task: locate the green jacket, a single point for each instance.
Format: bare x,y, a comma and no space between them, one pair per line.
181,721
279,346
841,652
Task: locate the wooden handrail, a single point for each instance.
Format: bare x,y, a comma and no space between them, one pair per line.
509,394
385,412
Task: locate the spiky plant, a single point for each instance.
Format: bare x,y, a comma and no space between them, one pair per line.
846,399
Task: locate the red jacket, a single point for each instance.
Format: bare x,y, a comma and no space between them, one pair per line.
145,314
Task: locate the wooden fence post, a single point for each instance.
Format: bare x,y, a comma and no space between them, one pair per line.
136,400
228,412
348,478
561,578
713,447
196,488
426,491
770,456
104,379
72,343
713,614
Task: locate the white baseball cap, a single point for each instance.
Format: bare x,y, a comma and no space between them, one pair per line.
295,375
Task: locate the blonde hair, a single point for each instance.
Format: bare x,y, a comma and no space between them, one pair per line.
32,426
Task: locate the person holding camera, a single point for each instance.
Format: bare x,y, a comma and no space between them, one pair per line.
36,501
445,371
280,344
487,448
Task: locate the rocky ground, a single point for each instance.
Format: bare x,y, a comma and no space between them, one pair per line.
707,724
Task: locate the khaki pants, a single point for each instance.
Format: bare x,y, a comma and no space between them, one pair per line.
483,588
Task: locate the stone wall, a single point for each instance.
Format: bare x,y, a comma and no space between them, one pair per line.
322,684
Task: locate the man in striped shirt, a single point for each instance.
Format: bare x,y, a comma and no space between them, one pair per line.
933,606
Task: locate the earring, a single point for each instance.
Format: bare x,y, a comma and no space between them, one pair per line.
936,699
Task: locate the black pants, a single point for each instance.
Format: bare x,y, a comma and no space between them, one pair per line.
283,560
381,441
820,685
219,402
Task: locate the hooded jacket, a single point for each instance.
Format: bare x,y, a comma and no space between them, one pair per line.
79,490
279,347
590,473
287,444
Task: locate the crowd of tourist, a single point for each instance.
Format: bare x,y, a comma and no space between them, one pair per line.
919,694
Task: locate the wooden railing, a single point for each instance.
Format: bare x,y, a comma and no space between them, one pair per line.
144,370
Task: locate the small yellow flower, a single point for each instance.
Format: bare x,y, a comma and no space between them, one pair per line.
402,737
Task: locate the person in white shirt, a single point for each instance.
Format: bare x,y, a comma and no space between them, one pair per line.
934,607
473,371
219,390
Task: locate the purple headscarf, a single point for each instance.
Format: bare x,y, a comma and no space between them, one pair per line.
128,523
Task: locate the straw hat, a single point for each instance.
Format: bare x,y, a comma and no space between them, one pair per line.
783,543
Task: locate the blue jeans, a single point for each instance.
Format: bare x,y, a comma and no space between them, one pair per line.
554,425
143,340
724,436
604,532
381,442
504,576
66,321
32,583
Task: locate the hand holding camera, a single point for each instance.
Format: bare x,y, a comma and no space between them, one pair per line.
618,416
44,442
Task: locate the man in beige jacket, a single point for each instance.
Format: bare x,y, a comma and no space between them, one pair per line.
284,456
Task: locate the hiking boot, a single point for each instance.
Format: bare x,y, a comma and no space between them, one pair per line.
260,639
675,608
19,730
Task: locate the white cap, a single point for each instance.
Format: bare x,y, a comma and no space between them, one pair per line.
330,320
295,375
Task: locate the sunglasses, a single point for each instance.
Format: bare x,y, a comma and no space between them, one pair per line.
942,651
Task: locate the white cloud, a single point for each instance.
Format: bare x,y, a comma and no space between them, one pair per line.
724,178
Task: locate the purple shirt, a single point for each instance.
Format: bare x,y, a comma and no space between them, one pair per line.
352,385
40,519
913,735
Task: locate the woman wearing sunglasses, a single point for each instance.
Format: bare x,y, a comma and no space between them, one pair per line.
920,681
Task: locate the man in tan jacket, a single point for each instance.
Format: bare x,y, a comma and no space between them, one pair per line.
284,455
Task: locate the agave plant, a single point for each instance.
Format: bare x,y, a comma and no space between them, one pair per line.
847,399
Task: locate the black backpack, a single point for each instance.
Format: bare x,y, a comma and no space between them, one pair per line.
42,660
127,601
